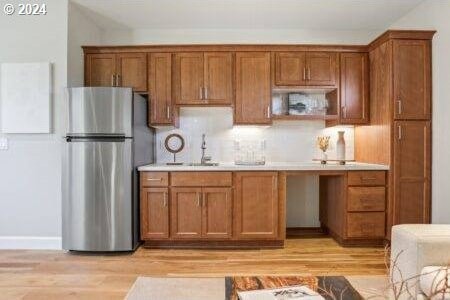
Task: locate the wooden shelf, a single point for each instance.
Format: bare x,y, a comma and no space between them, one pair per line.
304,117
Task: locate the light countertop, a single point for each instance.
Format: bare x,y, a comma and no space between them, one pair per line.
273,166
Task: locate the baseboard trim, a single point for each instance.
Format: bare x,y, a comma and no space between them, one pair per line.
30,242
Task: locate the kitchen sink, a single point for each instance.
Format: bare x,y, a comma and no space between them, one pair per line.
208,164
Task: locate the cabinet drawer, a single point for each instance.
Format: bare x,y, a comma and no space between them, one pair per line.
366,198
201,178
366,225
154,179
368,178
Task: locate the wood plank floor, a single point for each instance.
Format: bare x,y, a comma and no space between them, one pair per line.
30,274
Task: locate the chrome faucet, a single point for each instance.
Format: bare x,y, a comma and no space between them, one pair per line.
205,159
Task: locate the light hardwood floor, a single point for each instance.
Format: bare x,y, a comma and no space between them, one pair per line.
29,274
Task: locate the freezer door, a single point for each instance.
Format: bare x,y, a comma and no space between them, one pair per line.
100,111
97,195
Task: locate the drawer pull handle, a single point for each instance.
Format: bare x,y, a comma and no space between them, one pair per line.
154,179
368,178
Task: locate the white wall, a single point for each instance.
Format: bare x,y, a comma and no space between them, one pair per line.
30,192
236,36
434,14
81,31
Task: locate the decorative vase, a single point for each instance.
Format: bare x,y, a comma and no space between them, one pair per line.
340,146
324,157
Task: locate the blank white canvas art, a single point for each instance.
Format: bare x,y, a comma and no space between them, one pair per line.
25,97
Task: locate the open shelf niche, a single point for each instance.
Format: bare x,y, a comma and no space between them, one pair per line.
319,104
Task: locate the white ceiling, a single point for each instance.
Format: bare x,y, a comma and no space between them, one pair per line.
246,14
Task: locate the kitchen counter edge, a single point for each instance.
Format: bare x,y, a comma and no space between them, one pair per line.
267,167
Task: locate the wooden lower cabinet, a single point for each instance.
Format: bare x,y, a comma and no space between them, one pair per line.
154,213
247,208
186,213
256,205
353,207
216,213
201,213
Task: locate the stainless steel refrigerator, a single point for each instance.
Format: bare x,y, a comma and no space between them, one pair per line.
107,138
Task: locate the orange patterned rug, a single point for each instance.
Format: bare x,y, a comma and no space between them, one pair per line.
329,287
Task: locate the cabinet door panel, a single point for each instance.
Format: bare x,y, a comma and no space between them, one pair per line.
412,172
186,213
256,205
218,77
366,225
321,68
160,84
253,91
188,78
354,88
290,68
100,69
132,71
412,79
154,213
217,213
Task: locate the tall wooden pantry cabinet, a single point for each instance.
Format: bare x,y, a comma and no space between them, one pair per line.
399,133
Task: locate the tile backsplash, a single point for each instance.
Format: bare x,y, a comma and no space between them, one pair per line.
286,141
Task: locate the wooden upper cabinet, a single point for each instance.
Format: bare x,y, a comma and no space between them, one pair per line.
354,88
253,90
217,213
218,75
412,172
132,71
305,69
186,213
160,88
188,78
256,205
290,68
321,68
123,69
412,79
100,70
203,78
154,213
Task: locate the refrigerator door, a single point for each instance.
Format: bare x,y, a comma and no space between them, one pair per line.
97,195
100,111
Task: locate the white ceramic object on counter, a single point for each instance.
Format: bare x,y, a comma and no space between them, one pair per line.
340,146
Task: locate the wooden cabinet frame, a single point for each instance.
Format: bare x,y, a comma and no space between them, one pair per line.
126,69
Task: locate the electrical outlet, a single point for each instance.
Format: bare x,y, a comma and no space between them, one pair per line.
3,144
